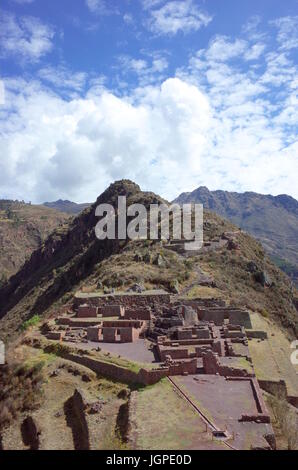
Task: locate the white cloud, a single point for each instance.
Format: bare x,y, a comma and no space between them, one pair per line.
26,37
2,92
128,18
255,51
177,16
221,49
74,149
147,71
228,120
287,31
98,7
63,78
148,4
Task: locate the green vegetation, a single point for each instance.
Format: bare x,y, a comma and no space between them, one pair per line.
119,361
31,322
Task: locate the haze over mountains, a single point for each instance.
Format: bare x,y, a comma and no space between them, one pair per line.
271,219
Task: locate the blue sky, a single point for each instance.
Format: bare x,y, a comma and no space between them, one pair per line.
172,94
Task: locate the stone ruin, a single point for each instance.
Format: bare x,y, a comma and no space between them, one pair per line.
189,337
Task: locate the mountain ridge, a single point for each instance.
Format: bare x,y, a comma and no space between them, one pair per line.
272,219
69,207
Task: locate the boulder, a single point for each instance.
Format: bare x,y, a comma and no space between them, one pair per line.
139,288
159,261
263,278
147,258
174,287
137,258
252,267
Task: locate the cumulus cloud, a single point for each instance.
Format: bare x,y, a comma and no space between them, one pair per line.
177,16
25,37
56,148
227,120
148,70
221,49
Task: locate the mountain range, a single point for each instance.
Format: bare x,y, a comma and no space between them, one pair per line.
66,206
271,219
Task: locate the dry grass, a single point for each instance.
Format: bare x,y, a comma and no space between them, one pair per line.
21,391
286,418
203,292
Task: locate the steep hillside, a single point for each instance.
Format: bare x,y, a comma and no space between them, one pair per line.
68,207
271,219
23,229
73,258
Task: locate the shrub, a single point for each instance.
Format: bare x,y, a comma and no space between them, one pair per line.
31,322
20,391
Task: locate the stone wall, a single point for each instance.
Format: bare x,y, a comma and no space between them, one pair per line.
129,300
121,374
262,414
183,367
256,334
218,315
163,351
111,311
93,333
123,323
212,366
279,389
138,314
85,311
55,335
